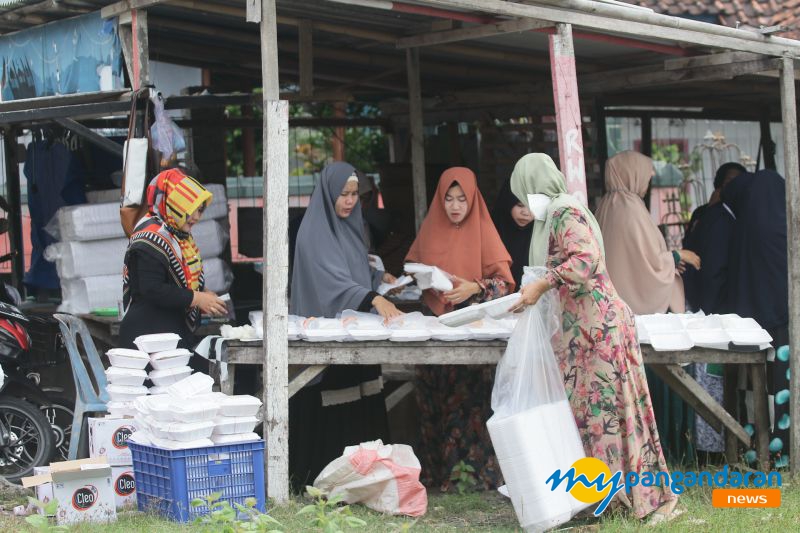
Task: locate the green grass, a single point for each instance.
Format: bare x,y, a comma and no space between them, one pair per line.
489,512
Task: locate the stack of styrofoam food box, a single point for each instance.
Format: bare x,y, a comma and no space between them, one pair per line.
189,416
91,252
169,363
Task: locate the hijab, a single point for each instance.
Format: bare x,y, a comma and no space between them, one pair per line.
331,271
516,239
172,197
640,266
471,250
538,174
758,264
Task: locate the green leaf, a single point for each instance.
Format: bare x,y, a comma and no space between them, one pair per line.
251,502
51,507
307,509
353,521
469,468
313,491
197,502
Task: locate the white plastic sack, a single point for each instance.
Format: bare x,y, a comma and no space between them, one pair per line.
533,429
385,478
80,296
88,222
80,259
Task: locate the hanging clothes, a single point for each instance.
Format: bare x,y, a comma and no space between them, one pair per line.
516,239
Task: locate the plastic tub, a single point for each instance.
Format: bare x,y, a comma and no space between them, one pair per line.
158,342
230,425
191,386
124,358
169,376
170,359
235,438
124,393
182,432
240,405
132,377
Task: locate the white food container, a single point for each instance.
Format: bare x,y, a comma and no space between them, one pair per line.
233,439
158,390
161,410
191,386
676,341
132,377
461,317
121,409
230,425
499,308
124,393
749,337
158,342
195,411
170,358
239,405
410,335
124,358
182,432
169,376
375,334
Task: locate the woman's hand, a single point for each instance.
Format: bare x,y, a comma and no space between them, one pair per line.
689,257
462,291
530,294
209,303
385,308
388,278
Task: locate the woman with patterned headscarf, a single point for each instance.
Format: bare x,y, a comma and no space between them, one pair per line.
163,285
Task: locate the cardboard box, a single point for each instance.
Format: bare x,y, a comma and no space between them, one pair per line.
84,490
108,437
124,486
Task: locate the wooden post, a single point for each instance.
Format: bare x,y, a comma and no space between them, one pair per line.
306,51
135,46
568,112
338,132
417,138
792,174
276,262
248,144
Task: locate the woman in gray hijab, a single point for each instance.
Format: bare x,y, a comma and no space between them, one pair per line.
331,274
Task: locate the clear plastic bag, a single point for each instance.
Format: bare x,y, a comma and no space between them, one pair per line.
533,430
165,135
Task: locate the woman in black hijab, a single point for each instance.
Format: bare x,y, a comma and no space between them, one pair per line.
514,223
758,280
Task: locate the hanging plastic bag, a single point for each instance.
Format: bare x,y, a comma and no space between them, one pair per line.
165,135
385,478
533,429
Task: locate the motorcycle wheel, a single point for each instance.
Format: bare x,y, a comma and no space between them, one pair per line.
59,414
29,441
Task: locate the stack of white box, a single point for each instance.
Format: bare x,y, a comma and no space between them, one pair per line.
91,253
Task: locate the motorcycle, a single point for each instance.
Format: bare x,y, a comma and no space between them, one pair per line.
27,439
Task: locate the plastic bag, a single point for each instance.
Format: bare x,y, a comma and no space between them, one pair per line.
384,478
165,135
533,429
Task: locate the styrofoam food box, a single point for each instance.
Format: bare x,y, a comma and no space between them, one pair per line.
125,358
235,438
182,432
326,335
158,342
121,409
499,308
169,376
677,341
376,334
749,337
239,405
230,425
170,358
196,411
192,386
461,317
410,335
737,322
124,393
118,375
155,391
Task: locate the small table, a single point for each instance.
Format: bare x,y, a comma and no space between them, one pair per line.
106,328
308,359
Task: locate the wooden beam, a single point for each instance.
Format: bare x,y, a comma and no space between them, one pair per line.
568,111
306,53
635,23
91,136
417,136
792,175
304,378
133,36
477,32
276,267
253,11
115,10
721,58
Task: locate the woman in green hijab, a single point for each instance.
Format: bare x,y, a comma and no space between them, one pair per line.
598,352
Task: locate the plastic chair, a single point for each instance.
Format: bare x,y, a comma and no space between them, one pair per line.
88,399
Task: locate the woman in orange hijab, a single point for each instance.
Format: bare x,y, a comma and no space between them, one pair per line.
459,237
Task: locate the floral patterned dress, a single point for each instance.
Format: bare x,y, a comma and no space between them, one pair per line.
454,403
601,361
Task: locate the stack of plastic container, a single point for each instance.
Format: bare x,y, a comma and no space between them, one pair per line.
170,364
126,377
91,251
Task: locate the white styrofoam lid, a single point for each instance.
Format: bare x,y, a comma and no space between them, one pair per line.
221,420
170,372
126,389
240,400
125,352
180,427
157,337
169,354
236,437
127,372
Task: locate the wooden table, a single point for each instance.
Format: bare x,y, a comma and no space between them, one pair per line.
106,328
308,359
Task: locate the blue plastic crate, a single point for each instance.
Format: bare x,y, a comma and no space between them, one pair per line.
168,480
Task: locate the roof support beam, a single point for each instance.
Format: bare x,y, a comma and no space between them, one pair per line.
477,32
114,10
95,138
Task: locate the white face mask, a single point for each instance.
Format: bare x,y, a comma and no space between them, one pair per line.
538,205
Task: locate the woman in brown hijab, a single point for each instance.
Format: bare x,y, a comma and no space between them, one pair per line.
459,237
644,272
